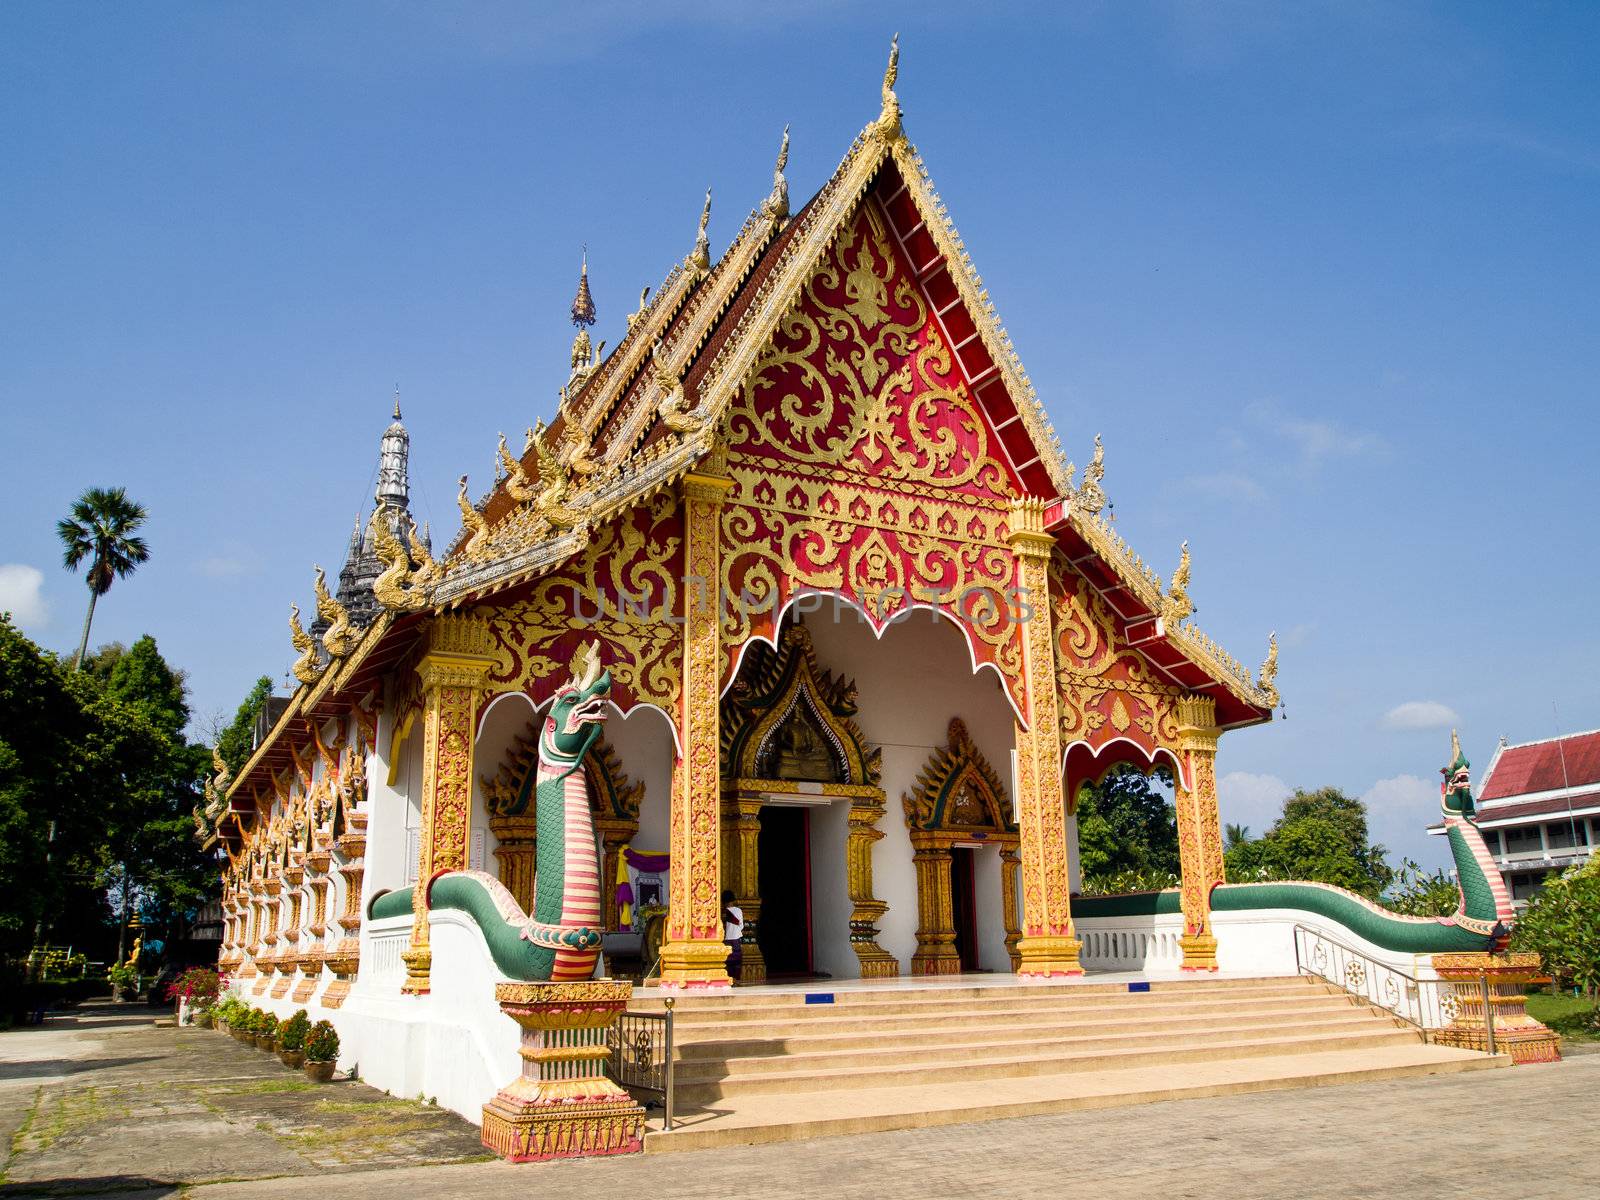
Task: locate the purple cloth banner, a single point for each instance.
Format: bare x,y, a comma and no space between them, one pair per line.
646,864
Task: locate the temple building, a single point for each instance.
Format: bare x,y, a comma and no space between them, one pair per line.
859,631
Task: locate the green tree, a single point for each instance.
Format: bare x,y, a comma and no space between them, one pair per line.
1126,824
1234,835
102,530
237,740
1562,925
1321,837
1415,894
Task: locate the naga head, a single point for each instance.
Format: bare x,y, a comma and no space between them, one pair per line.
579,708
1455,794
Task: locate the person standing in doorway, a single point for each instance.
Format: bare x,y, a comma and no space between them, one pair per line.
733,934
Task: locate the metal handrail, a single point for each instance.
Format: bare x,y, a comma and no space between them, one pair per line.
642,1055
1358,974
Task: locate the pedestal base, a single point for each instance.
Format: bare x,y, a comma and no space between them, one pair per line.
1049,956
563,1106
695,964
1515,1032
419,965
1199,952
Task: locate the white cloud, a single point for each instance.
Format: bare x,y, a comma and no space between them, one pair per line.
1420,714
1317,441
22,595
1254,800
220,567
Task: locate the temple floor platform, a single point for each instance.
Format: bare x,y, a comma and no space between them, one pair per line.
787,1061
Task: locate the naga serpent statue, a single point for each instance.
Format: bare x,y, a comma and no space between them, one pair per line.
1481,921
560,941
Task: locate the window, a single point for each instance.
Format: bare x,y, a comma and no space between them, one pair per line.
1520,840
1524,887
1558,835
1491,838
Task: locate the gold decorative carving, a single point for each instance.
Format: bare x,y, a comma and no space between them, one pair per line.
1176,605
473,525
517,484
1267,681
1047,946
1199,829
339,638
308,667
694,954
401,587
958,798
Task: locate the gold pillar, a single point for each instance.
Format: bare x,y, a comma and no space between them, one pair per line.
516,844
1047,946
1009,861
1199,829
741,875
694,954
453,672
866,910
936,922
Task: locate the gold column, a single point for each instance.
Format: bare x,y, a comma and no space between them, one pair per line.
453,672
1047,946
516,844
1199,829
694,954
1009,861
936,922
866,909
741,875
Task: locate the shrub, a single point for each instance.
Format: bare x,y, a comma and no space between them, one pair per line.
292,1033
123,975
322,1043
266,1025
200,986
1562,925
232,1010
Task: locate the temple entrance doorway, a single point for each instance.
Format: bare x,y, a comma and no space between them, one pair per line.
964,904
783,852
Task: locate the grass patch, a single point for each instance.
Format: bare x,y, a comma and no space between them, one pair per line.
1573,1017
266,1087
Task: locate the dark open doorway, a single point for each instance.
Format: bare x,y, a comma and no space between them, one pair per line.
964,904
783,849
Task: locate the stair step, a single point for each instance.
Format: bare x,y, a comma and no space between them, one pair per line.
701,1084
955,1042
750,1120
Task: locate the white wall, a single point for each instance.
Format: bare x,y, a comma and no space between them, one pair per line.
830,893
911,682
644,746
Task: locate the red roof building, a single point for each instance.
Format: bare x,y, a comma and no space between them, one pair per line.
1539,808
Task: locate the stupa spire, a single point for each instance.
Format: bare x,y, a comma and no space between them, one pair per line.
583,312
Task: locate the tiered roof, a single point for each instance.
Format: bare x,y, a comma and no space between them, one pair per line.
646,414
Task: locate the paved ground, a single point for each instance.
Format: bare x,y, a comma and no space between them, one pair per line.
103,1105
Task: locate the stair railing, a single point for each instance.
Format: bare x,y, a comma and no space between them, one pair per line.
1424,1003
641,1055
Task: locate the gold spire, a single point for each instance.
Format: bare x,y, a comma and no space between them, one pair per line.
397,402
1091,496
776,205
1177,605
583,303
889,118
1268,680
700,257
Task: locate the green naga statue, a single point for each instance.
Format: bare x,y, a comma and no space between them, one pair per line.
1482,919
560,941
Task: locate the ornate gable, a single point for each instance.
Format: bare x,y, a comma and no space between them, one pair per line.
958,791
787,719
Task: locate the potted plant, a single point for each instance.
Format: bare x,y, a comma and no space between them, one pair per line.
267,1032
322,1052
292,1039
230,1013
245,1028
123,977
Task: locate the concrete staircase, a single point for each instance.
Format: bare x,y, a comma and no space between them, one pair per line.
763,1065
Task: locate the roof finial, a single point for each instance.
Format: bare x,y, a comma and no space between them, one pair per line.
776,205
889,118
397,402
701,257
583,304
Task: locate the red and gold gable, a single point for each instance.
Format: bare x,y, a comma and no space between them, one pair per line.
1108,691
863,466
624,591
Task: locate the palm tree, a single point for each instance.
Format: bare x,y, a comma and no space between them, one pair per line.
102,529
1235,835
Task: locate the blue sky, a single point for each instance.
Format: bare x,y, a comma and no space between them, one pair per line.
1322,275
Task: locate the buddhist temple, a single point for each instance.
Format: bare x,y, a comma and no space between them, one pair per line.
800,580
